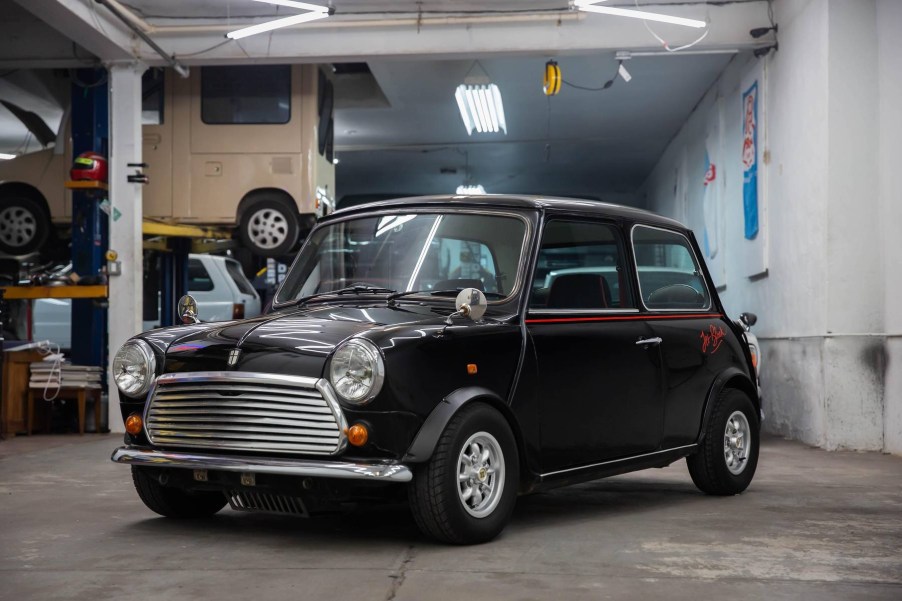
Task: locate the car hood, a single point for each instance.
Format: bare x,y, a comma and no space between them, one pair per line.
292,342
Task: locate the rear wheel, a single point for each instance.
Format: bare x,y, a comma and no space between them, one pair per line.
174,502
269,227
24,225
466,492
726,462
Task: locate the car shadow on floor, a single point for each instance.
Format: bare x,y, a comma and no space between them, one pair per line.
599,500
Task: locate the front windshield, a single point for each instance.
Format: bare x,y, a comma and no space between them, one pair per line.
414,251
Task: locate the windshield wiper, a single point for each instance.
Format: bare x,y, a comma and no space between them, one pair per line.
455,291
353,289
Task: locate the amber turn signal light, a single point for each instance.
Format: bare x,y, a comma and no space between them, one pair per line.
472,369
133,424
358,435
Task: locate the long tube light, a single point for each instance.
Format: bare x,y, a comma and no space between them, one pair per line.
315,12
591,6
481,108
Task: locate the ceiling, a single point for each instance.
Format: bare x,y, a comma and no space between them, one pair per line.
405,136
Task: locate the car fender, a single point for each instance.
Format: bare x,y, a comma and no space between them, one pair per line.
424,442
732,377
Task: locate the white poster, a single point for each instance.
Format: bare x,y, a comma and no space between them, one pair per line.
749,152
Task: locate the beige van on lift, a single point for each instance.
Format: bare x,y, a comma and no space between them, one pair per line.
231,145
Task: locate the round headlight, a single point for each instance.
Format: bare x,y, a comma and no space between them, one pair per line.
134,368
356,371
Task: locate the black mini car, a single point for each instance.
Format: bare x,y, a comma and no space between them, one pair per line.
457,350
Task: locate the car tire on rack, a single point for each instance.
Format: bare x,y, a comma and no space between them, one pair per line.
728,456
269,226
24,225
173,502
466,492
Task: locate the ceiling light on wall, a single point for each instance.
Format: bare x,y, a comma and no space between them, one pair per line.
591,6
476,190
481,107
314,12
5,156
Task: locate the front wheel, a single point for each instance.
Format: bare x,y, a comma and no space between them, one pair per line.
174,502
726,462
466,492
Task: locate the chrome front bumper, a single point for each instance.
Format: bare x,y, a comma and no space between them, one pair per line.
381,471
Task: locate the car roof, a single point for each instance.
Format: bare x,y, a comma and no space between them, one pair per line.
601,209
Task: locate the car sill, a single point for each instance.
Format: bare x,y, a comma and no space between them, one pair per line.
617,463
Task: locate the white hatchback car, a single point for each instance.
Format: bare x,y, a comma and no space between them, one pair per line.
217,283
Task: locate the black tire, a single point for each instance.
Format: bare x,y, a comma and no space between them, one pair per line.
24,225
269,226
709,467
435,497
174,502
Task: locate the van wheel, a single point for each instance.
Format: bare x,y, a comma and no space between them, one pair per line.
174,502
726,462
466,492
24,225
269,227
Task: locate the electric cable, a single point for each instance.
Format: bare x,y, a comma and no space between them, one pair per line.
665,44
605,86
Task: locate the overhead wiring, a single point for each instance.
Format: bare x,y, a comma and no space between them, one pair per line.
604,86
666,44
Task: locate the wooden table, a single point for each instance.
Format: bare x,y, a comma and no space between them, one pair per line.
80,395
16,373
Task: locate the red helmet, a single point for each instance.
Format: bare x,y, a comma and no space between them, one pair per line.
89,166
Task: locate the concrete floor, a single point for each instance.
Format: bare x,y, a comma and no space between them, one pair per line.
813,525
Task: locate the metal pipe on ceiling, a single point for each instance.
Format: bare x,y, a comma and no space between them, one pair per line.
129,21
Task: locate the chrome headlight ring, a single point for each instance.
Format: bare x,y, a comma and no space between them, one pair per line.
357,371
134,368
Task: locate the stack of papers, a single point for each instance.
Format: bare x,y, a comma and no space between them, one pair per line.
50,374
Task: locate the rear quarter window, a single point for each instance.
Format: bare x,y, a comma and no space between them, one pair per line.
237,276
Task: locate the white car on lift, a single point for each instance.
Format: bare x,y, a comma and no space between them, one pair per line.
218,283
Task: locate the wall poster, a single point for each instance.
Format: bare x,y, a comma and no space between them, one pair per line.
753,244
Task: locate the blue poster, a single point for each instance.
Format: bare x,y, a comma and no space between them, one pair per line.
750,161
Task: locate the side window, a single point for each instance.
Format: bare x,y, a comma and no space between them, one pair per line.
580,266
669,275
259,94
152,97
199,279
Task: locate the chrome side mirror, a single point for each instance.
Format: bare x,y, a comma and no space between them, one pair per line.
187,310
471,302
748,320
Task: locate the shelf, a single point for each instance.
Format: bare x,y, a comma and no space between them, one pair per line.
36,292
86,185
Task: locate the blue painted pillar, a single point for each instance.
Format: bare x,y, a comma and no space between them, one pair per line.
90,228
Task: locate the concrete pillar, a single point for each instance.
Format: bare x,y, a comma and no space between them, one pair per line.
125,312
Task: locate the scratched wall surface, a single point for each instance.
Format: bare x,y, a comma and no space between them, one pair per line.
828,321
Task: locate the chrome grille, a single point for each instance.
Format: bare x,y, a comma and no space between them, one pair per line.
241,500
245,411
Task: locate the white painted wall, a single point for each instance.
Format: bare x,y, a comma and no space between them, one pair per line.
832,105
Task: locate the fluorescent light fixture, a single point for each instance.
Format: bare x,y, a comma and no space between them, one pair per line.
591,6
5,156
481,108
298,5
471,190
315,12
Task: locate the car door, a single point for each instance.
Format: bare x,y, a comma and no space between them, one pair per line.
681,312
599,369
